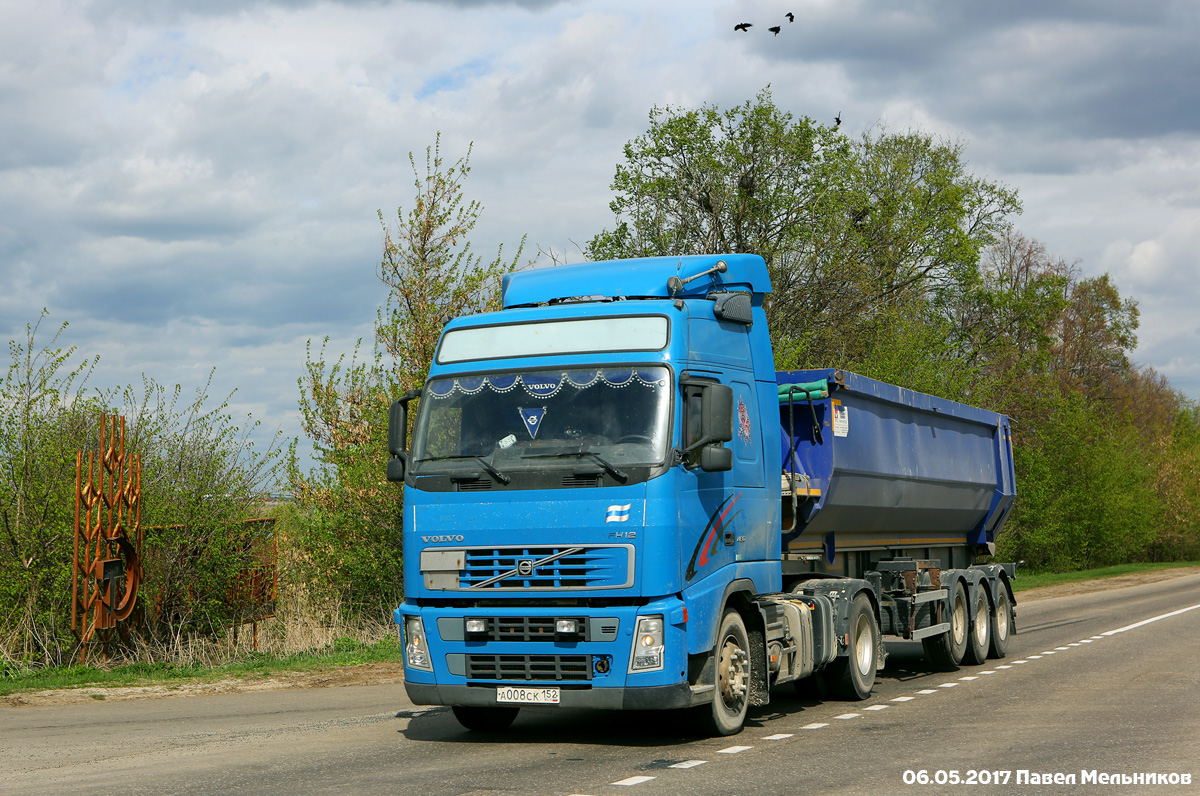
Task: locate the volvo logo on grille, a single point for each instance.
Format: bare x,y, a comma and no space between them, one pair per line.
525,567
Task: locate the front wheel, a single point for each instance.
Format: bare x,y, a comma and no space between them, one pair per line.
853,676
484,719
727,713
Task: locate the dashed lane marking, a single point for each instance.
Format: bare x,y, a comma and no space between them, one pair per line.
969,677
947,685
877,707
688,764
816,725
987,671
733,750
848,716
904,699
927,691
1003,666
779,736
632,781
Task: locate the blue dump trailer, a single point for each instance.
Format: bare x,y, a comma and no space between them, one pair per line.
613,500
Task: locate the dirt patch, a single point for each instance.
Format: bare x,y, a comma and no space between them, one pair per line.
364,674
1103,584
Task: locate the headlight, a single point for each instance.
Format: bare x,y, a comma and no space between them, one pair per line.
476,625
647,652
566,626
416,651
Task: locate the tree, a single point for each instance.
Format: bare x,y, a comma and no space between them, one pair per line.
200,474
350,514
858,236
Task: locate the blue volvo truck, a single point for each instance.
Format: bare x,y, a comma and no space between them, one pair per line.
613,500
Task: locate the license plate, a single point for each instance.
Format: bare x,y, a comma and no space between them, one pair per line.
528,696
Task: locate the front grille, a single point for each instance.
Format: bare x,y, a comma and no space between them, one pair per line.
477,485
582,567
529,667
526,628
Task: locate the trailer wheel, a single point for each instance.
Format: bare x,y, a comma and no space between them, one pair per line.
946,650
484,719
1001,622
853,676
727,713
979,639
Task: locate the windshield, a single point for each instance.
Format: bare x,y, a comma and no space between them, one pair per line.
614,416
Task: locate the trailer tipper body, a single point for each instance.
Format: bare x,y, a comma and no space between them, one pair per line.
613,500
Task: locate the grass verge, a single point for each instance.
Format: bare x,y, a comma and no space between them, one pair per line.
343,652
1033,580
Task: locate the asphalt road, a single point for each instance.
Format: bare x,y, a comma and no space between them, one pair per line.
1106,682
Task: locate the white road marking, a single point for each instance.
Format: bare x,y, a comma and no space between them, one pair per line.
1097,638
1020,661
947,685
927,691
988,671
1062,649
688,764
848,716
1074,644
1034,657
632,781
1047,652
1148,621
814,726
969,677
1085,641
904,699
733,750
1003,666
779,736
877,707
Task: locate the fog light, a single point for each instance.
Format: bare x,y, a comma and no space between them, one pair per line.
476,625
566,626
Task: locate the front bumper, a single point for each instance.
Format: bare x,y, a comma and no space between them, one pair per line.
658,697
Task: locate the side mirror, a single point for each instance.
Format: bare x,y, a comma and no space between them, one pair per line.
716,459
717,420
397,431
397,426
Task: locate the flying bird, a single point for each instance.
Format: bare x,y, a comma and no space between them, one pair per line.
837,120
791,17
775,30
744,27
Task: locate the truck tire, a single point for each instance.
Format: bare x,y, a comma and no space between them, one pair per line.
946,650
853,676
980,637
731,698
1001,622
484,719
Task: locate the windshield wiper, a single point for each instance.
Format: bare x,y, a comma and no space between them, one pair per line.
610,468
491,468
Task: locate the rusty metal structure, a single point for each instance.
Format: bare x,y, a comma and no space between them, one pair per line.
108,540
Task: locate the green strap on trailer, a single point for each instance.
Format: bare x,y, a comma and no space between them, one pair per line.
808,391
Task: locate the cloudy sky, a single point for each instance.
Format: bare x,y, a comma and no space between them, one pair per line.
194,184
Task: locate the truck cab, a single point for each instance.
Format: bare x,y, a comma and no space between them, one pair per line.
588,484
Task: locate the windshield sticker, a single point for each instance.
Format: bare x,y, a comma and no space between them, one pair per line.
507,442
617,513
532,418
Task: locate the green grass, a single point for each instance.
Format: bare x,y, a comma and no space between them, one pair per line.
1032,580
344,652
